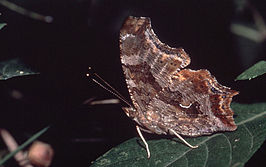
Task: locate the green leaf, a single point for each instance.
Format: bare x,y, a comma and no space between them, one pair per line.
219,150
2,25
22,146
254,71
14,68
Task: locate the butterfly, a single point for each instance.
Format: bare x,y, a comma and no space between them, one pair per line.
168,98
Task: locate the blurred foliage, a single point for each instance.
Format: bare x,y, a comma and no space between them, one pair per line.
254,71
23,11
2,25
25,144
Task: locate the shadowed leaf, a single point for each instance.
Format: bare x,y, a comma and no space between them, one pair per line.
219,150
14,68
254,71
2,25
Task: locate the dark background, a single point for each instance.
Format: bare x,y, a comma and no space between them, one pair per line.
85,33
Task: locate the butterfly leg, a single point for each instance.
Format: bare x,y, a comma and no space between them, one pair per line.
181,138
145,130
144,141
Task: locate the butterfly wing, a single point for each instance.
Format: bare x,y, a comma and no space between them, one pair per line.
164,94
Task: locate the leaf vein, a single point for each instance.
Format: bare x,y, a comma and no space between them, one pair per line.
207,155
252,138
204,141
186,160
230,147
251,118
177,158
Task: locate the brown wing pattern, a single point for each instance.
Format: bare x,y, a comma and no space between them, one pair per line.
164,94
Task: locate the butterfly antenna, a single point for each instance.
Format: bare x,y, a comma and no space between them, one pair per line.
108,87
